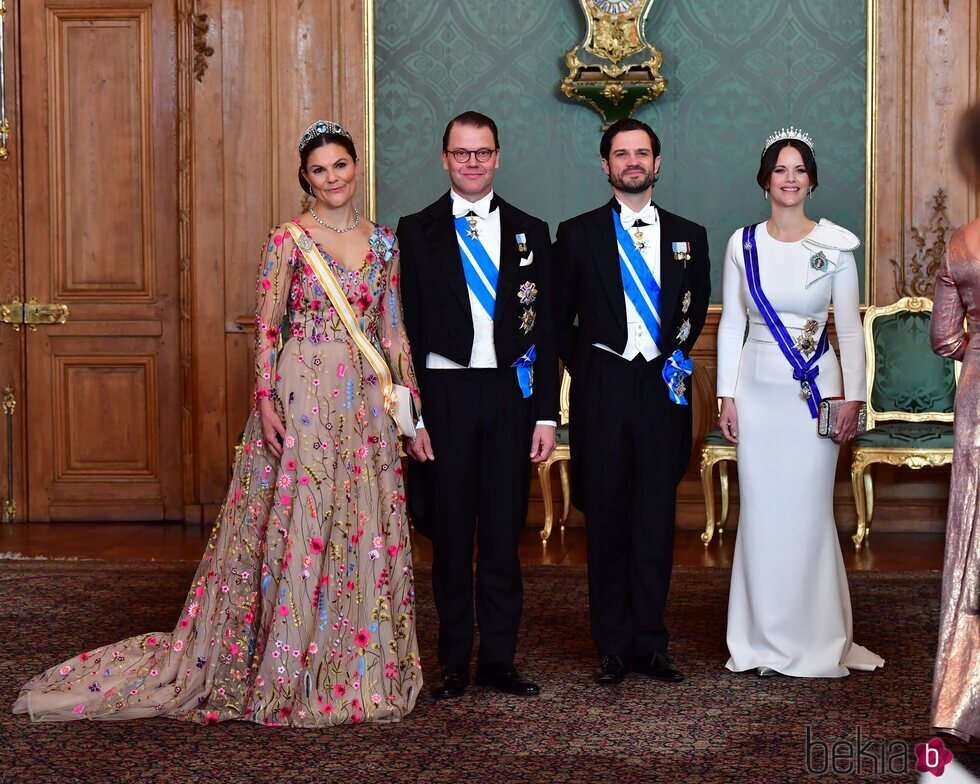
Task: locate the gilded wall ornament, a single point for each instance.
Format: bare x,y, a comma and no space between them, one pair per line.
915,275
614,69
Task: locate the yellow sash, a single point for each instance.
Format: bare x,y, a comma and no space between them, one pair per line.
397,398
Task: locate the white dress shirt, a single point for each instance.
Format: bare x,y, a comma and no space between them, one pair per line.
638,337
483,353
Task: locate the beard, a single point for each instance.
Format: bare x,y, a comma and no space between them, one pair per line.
634,186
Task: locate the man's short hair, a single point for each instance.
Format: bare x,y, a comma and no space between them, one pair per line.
627,124
474,120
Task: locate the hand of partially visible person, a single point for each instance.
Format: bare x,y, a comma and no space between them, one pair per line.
542,443
728,420
273,430
420,447
847,421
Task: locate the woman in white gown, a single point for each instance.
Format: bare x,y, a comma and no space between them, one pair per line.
789,611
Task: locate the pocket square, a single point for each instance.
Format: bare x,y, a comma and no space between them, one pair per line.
528,260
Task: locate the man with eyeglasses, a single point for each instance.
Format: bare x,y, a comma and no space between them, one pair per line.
476,291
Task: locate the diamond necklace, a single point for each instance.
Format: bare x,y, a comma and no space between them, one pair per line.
357,219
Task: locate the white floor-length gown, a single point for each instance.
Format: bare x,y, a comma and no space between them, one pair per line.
789,607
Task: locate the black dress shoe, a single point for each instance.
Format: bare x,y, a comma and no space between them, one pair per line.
454,683
506,679
611,670
659,667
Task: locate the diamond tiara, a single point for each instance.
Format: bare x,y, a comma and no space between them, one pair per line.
319,128
789,133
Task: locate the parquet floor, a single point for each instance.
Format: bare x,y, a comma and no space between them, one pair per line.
168,542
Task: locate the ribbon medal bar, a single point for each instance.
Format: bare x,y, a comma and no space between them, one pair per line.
682,251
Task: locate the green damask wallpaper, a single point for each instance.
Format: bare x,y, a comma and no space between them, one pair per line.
736,71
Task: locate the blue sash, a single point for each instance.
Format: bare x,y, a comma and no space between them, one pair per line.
475,255
525,371
804,370
633,268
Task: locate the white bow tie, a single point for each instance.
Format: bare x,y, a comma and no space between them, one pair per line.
627,217
462,207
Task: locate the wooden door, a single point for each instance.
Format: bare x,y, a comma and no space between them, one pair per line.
98,139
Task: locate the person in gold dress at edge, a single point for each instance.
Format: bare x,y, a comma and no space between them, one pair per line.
956,683
302,611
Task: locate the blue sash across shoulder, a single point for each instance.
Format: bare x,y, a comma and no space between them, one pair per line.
804,370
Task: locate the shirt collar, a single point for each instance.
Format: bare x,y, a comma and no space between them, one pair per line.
626,215
462,207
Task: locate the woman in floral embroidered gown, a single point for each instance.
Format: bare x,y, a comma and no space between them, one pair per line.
302,611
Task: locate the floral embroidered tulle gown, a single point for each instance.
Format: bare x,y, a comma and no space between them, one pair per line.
302,610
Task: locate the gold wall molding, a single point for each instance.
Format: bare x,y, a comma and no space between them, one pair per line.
871,156
915,275
370,143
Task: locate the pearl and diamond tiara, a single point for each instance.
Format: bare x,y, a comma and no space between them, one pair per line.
319,128
789,133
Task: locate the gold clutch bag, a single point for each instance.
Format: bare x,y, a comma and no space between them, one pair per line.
829,411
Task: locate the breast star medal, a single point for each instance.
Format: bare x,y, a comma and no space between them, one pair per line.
521,243
686,302
818,261
806,343
684,332
527,293
527,320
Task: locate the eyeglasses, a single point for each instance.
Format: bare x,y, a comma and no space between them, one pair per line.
483,155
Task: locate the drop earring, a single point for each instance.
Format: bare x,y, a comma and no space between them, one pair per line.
765,195
809,192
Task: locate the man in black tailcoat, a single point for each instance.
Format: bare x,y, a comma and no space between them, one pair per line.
476,293
632,286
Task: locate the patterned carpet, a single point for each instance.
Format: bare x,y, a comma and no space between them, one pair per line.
714,727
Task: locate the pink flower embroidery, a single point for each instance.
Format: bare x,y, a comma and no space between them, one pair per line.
362,638
316,544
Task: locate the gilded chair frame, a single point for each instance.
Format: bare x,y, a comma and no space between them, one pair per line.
562,455
862,458
722,455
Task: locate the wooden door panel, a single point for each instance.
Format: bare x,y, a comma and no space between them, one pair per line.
13,499
100,195
106,393
100,93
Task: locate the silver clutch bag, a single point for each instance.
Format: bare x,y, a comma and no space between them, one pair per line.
830,410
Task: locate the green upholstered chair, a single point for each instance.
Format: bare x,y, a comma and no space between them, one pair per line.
561,455
716,449
911,393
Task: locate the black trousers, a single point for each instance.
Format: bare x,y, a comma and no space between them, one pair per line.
477,487
634,446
